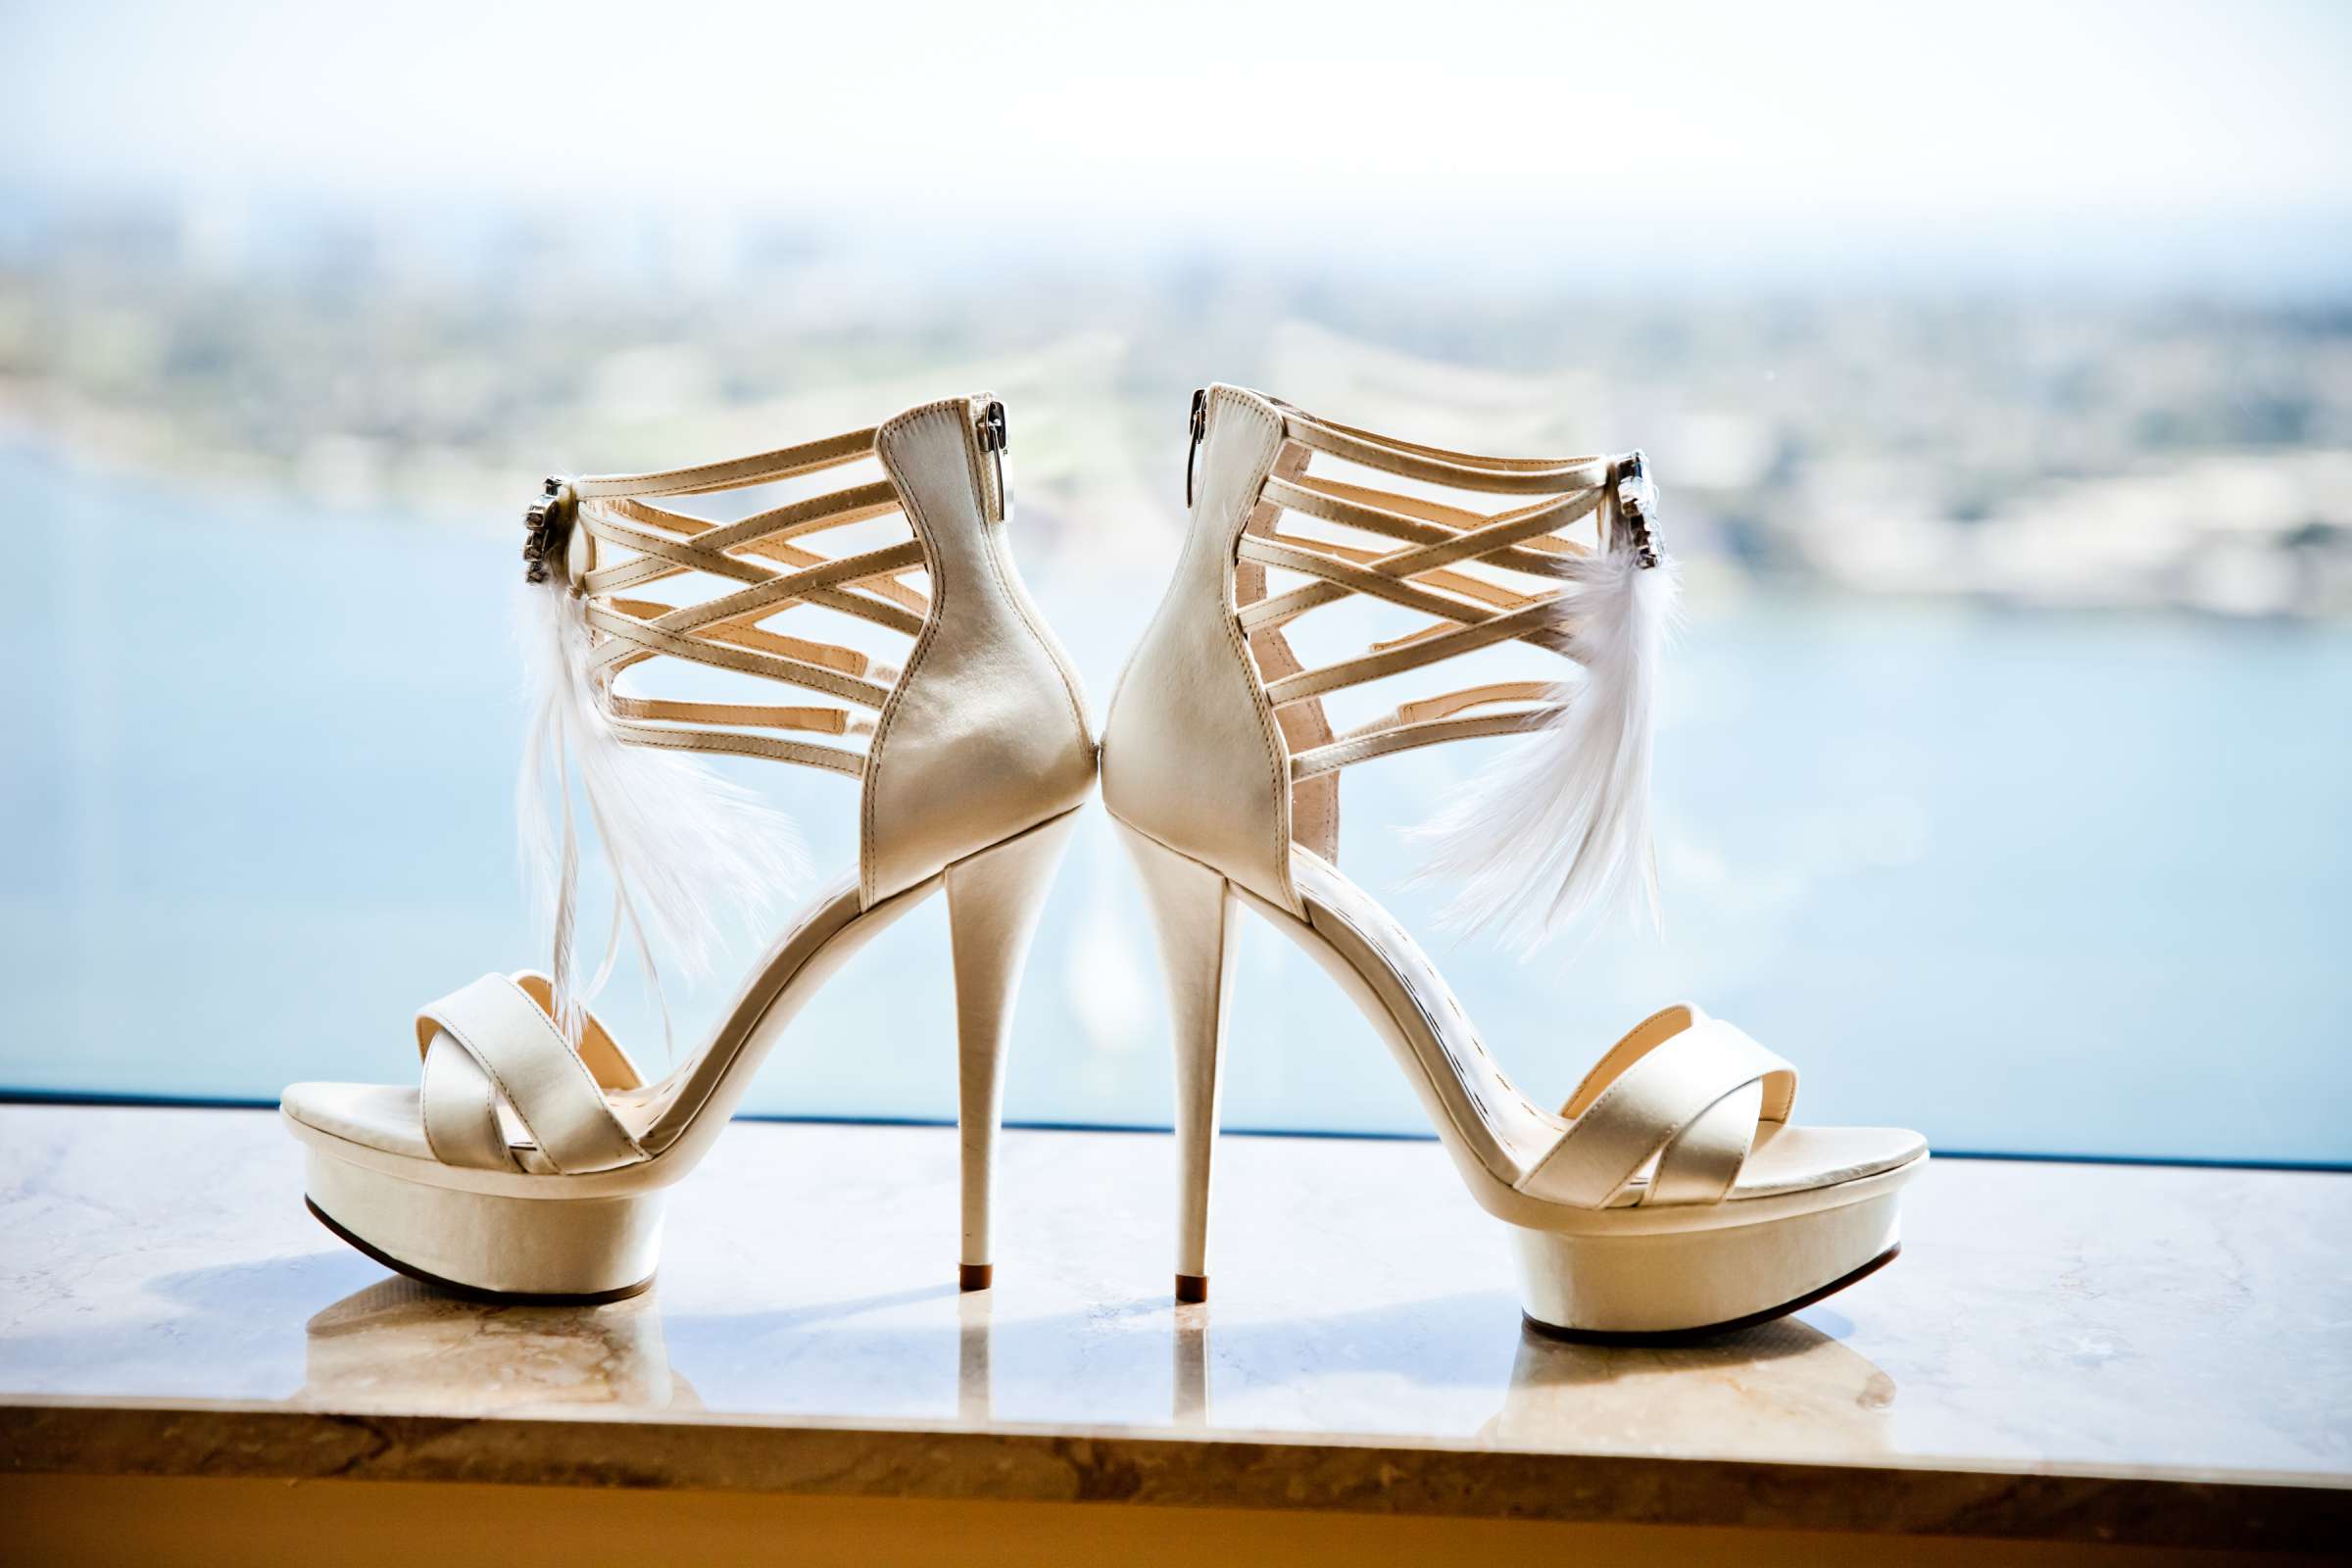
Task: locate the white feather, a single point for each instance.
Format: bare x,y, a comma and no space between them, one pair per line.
1557,828
685,846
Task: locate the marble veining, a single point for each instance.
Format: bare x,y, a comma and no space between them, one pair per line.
2141,1344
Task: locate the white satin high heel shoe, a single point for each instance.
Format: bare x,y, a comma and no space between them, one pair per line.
530,1161
1670,1193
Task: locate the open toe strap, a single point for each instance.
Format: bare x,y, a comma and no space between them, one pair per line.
1680,1086
493,1044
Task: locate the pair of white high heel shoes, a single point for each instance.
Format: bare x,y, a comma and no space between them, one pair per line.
1670,1193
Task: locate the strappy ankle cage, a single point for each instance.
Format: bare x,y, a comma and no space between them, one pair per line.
1599,602
1471,612
618,516
681,842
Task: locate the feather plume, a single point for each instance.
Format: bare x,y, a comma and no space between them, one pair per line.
685,846
1557,828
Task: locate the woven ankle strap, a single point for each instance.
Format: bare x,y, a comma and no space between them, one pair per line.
633,543
1467,611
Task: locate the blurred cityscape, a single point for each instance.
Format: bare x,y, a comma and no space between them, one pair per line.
2078,451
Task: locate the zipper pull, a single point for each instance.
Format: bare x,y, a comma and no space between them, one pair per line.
1199,429
994,439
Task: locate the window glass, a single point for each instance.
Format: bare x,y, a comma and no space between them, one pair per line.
2001,398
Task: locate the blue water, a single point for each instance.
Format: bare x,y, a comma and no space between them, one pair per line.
2025,881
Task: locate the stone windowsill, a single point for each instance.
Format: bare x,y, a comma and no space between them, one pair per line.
2065,1352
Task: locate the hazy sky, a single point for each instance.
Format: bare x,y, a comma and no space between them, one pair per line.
1989,118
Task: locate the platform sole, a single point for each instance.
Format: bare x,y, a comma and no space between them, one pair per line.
1678,1285
507,1249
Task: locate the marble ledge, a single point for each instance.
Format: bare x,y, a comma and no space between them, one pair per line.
1012,1463
2078,1354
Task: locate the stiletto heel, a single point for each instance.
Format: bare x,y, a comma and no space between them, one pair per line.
1670,1193
993,900
1198,921
532,1160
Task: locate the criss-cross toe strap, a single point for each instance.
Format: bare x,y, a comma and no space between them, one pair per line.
1682,1087
493,1044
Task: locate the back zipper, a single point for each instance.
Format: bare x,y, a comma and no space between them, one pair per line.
1199,428
994,439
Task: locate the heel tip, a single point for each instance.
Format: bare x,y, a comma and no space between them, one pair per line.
975,1276
1192,1287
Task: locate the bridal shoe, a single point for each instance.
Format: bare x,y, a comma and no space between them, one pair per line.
530,1159
1671,1193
